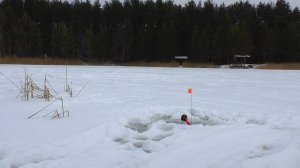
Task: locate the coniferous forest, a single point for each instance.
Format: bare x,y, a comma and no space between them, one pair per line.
134,30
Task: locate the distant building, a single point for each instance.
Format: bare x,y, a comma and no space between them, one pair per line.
180,59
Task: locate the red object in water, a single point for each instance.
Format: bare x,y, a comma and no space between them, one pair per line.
187,122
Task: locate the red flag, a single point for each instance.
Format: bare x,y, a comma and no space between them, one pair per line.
190,91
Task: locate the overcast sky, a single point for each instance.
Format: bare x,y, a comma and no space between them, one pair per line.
293,3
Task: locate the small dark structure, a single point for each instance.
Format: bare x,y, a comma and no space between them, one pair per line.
180,59
239,61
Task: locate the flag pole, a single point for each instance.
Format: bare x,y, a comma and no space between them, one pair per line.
191,107
190,91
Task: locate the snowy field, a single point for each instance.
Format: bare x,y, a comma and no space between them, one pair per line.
129,117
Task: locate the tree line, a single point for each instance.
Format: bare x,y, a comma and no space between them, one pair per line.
135,30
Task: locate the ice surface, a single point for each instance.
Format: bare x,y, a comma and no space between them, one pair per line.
129,117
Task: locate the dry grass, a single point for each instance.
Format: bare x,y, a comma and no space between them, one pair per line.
170,64
37,61
282,66
199,65
58,61
151,64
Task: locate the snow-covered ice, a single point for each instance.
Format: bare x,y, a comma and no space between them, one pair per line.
129,117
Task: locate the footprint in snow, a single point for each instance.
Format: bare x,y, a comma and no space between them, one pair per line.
147,133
